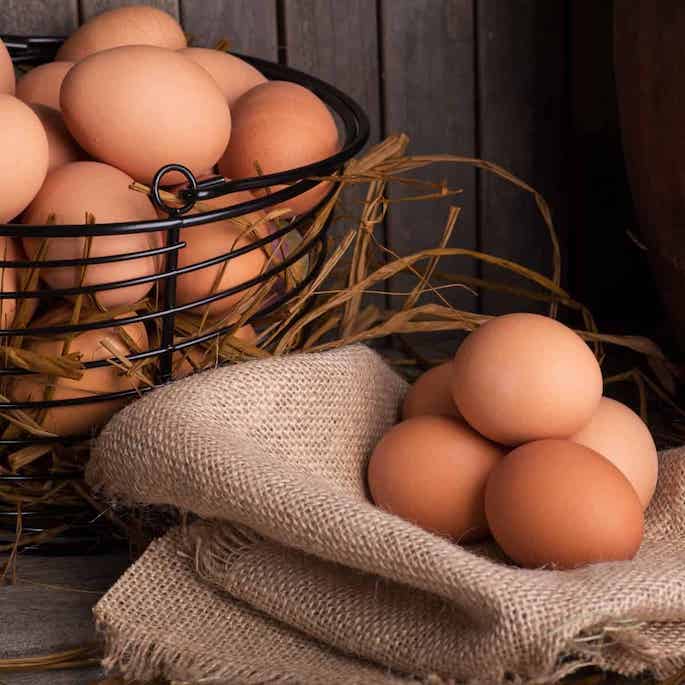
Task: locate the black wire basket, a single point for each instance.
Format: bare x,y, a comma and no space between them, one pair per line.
81,529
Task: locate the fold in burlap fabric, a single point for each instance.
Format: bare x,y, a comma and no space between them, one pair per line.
296,577
161,619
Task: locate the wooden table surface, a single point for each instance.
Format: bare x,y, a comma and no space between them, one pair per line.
49,610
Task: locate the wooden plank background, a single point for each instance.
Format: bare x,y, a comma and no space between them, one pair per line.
527,84
428,52
522,120
471,77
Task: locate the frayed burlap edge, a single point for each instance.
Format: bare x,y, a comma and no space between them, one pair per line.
591,648
141,651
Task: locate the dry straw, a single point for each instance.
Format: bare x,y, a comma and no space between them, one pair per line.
79,657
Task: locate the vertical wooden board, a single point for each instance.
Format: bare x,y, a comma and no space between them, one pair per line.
429,93
35,17
250,26
338,42
523,114
90,8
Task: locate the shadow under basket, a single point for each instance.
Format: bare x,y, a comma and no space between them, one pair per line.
44,506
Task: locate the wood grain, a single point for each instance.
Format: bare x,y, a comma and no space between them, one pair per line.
522,105
35,17
49,610
90,8
78,676
248,25
429,92
338,42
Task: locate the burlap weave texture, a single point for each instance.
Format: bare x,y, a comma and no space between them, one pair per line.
273,455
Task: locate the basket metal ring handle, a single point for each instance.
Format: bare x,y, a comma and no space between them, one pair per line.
189,194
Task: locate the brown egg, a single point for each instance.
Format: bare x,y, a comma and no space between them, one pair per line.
68,193
14,280
524,377
42,84
9,280
212,240
556,503
246,334
621,436
136,25
233,75
198,358
24,160
62,148
208,241
432,470
7,79
84,418
139,108
279,126
431,394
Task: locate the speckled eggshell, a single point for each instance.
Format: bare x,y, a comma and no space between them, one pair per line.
136,25
7,78
523,377
68,193
42,84
431,394
24,159
432,471
621,436
557,504
279,126
139,108
62,148
233,75
84,418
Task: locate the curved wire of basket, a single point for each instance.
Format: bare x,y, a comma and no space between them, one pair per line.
292,183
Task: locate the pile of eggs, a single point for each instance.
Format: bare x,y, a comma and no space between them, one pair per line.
125,97
514,438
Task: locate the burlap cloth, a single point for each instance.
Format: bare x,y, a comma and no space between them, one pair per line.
295,577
